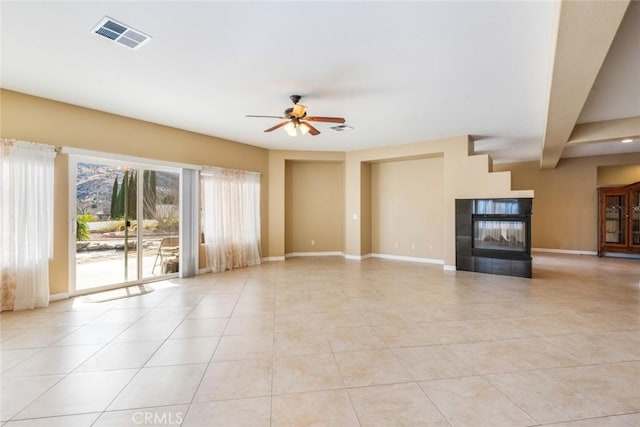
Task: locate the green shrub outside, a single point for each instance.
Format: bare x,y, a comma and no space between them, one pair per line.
88,217
82,229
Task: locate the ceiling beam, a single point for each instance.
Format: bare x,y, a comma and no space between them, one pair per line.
584,33
606,130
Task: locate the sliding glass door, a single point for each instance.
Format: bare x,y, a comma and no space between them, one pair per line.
125,223
161,212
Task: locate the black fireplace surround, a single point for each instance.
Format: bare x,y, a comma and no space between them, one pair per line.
494,236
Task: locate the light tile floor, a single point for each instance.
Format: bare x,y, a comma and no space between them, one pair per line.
326,341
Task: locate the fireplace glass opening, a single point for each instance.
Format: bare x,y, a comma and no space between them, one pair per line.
499,235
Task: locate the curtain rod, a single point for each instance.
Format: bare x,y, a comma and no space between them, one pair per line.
219,168
12,141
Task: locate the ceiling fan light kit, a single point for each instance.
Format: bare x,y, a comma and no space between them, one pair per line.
296,119
293,128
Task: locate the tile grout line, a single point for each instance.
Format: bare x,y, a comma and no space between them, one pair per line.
65,375
145,362
204,373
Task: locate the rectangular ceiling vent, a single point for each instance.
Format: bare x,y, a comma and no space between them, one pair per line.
341,128
120,33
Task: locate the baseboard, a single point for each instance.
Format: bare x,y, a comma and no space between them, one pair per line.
363,257
564,251
295,254
273,259
356,257
621,255
204,270
408,259
58,297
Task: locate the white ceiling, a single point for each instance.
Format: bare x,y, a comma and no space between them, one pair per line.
398,72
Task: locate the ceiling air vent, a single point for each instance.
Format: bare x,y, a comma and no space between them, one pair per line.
120,33
341,128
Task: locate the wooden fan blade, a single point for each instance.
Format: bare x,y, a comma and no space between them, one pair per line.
313,131
267,117
279,125
326,119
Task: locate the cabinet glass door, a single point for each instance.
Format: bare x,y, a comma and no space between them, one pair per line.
615,232
635,218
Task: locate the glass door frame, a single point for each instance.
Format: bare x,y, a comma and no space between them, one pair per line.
115,161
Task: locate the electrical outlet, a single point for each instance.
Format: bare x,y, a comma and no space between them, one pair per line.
313,243
413,246
396,245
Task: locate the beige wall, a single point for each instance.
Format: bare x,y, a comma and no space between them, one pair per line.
464,176
314,206
406,208
277,186
365,208
565,207
610,176
29,118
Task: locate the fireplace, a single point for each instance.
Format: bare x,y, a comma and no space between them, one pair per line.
498,235
494,236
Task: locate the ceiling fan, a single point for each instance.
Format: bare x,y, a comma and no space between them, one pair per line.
296,119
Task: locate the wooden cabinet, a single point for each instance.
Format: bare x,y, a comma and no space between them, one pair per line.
619,219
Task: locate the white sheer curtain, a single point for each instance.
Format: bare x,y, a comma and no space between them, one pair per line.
231,217
26,223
